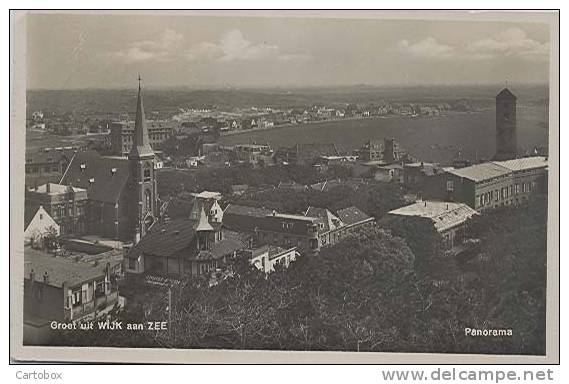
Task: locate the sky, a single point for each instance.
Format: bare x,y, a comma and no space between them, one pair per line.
109,51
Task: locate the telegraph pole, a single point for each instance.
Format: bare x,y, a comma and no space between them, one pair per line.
169,311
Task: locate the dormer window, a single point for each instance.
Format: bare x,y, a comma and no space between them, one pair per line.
91,180
82,166
113,171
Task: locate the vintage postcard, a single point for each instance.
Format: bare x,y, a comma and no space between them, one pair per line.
285,186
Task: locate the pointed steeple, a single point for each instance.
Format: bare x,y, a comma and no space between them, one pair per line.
141,143
203,223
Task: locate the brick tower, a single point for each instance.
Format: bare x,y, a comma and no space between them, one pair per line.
506,139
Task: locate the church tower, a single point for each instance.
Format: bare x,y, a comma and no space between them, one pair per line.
143,179
506,139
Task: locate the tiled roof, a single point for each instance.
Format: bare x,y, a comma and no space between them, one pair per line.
481,172
524,163
329,220
60,270
352,215
243,218
107,185
165,239
444,215
235,209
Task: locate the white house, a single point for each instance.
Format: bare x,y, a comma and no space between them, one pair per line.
38,224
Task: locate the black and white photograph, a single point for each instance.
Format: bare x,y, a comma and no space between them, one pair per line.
351,182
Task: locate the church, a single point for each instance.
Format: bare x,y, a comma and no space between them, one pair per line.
121,192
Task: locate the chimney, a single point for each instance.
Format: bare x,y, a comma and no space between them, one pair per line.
45,278
425,203
47,188
32,275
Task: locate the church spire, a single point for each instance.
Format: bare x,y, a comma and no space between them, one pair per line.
141,143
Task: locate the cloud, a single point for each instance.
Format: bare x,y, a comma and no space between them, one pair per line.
164,48
234,47
427,48
512,42
294,57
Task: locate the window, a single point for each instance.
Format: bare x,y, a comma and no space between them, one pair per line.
450,185
481,200
76,297
497,195
147,174
148,200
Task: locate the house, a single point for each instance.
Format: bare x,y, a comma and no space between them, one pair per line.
266,257
388,173
308,232
450,220
305,154
253,154
64,290
187,246
37,224
67,205
47,165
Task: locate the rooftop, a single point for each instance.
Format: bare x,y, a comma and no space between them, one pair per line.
352,215
56,189
207,195
443,214
481,172
524,163
60,269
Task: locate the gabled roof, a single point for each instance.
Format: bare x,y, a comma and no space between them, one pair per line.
30,214
481,172
352,215
243,218
329,220
165,239
107,185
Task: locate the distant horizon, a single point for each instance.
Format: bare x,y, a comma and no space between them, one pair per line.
292,87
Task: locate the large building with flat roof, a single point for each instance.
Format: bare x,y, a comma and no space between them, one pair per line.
497,183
